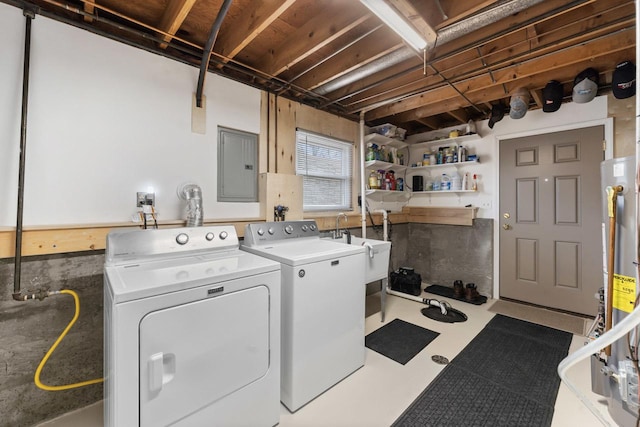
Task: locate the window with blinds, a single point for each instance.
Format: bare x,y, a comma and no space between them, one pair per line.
326,166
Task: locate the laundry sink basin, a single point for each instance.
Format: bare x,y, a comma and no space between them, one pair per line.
377,254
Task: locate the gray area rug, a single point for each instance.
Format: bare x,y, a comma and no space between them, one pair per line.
399,340
506,376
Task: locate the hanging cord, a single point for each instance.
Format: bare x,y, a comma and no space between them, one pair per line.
44,360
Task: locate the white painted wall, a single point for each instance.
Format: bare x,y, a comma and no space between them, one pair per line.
107,120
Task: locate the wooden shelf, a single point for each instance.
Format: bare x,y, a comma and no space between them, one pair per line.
441,215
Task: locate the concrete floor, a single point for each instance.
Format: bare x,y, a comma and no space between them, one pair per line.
379,392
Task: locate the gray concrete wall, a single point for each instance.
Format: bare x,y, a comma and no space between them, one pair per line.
444,253
28,329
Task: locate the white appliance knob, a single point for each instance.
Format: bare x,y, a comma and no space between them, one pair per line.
304,228
260,232
271,230
223,235
288,229
182,238
209,236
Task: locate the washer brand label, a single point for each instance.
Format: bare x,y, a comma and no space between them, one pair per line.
214,291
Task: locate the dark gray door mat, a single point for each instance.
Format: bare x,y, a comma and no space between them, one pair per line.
399,340
506,376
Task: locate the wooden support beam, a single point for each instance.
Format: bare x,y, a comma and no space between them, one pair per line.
407,10
233,40
174,15
316,32
430,122
89,8
460,115
537,97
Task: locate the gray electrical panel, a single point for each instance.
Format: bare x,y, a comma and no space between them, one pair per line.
237,166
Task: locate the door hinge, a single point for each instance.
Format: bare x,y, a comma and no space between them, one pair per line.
604,145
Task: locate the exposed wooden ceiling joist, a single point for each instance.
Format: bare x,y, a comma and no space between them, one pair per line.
173,17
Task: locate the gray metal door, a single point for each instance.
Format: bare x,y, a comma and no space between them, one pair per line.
550,219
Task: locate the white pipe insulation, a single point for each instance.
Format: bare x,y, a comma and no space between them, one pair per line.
385,221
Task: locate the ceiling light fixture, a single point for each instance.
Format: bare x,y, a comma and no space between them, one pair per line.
396,22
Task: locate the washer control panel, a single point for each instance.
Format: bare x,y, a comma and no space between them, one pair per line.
261,233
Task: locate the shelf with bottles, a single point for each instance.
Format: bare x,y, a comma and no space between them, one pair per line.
457,140
455,164
443,191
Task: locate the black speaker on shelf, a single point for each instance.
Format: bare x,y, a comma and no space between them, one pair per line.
418,183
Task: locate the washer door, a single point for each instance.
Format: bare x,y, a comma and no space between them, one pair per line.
195,354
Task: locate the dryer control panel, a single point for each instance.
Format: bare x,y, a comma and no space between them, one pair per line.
264,232
123,246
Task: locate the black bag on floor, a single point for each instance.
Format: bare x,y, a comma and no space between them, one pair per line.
406,280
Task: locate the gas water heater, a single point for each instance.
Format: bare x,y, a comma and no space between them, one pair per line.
614,372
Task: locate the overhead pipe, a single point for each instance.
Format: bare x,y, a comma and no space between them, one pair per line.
445,35
208,48
17,294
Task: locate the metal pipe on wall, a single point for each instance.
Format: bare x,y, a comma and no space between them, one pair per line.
208,48
17,294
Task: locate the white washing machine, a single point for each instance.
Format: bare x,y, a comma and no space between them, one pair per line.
323,298
192,330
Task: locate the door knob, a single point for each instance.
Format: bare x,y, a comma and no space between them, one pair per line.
506,226
506,215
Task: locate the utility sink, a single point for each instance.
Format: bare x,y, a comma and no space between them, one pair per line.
376,254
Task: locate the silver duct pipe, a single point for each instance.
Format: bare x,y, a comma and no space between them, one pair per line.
192,193
445,35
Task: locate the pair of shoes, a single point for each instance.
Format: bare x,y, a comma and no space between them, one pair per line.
458,289
471,292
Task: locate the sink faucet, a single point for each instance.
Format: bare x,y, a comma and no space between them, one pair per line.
337,234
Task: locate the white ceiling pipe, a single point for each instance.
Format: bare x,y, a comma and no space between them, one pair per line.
445,35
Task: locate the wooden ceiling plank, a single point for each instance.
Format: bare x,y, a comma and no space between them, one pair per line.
231,42
173,17
316,33
567,56
604,64
522,69
430,122
407,10
459,114
537,97
350,59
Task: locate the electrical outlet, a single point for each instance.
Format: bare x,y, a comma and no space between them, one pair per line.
143,199
486,204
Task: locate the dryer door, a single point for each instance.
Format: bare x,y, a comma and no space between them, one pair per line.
195,354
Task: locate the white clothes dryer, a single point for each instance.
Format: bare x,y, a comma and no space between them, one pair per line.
323,301
192,330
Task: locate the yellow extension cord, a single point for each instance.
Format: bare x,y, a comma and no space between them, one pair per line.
36,377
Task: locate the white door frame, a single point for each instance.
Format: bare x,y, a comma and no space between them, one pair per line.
608,154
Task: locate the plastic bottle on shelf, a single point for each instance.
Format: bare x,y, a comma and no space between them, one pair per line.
371,152
474,184
462,154
465,183
445,182
373,181
456,182
435,186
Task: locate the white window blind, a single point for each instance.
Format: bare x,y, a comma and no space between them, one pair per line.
326,166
